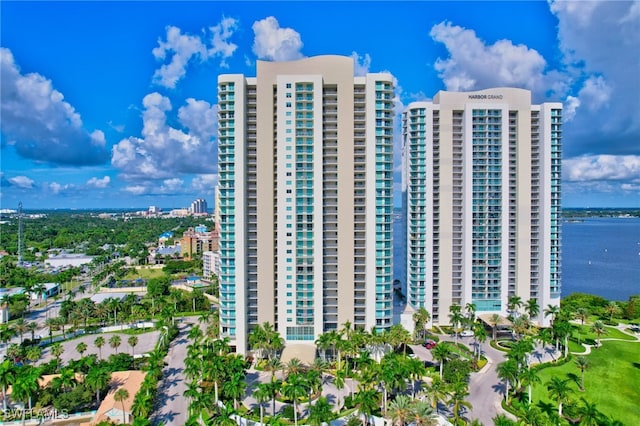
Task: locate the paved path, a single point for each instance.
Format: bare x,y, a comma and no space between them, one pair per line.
171,405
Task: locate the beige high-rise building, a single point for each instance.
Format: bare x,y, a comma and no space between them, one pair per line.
481,196
306,199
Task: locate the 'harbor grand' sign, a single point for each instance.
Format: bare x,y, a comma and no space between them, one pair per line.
484,96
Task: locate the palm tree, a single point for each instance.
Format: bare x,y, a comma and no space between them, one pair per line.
457,396
422,414
589,414
508,371
20,327
532,308
294,388
612,309
122,395
559,390
115,341
234,388
582,314
421,318
441,353
494,321
367,401
32,327
97,379
320,412
598,328
456,318
81,348
514,303
552,311
437,392
399,410
529,376
7,378
99,342
56,351
262,395
503,420
582,363
133,341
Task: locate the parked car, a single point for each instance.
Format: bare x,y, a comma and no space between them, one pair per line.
466,333
429,344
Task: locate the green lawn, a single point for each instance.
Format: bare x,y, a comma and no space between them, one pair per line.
584,332
144,273
611,381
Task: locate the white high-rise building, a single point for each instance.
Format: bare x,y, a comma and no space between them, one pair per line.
481,193
306,199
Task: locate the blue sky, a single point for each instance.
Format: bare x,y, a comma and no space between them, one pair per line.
113,104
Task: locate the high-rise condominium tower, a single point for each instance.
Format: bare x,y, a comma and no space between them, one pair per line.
306,198
481,181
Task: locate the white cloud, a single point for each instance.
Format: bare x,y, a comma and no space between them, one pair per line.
200,118
58,188
361,63
171,185
22,182
599,40
181,48
221,46
204,183
135,189
95,182
472,64
602,167
164,151
40,124
273,43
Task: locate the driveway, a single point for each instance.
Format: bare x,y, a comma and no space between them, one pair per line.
171,405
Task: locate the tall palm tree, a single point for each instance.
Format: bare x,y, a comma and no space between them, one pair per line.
582,363
115,341
598,328
97,379
513,304
457,397
133,341
437,392
456,319
441,353
421,318
582,314
99,342
320,412
7,378
589,414
262,395
552,311
81,348
559,390
508,371
494,321
532,308
612,309
57,351
121,396
294,388
529,376
367,401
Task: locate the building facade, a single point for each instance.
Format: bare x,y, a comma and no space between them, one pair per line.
306,198
481,195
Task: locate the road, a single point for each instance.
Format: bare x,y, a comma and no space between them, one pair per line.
171,405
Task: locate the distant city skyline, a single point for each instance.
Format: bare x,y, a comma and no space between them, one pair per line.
113,104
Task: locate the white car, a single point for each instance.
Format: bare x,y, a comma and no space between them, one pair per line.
466,333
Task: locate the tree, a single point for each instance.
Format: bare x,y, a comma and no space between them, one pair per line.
582,314
441,353
56,351
7,378
367,401
81,348
121,396
589,414
115,341
598,328
552,311
99,342
494,321
262,395
399,410
514,303
437,392
508,371
457,397
582,363
97,379
612,309
133,341
294,388
529,376
421,318
456,318
532,308
320,412
559,390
